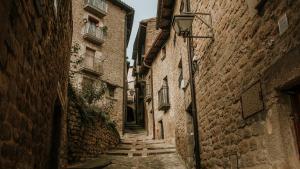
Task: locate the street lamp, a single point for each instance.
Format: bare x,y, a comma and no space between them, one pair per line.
183,24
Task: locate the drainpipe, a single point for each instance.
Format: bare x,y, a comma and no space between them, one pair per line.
193,95
153,116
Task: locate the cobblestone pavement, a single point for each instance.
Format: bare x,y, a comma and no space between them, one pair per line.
139,152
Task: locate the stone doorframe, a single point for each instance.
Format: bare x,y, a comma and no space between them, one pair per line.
282,76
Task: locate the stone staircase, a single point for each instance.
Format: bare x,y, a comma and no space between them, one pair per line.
136,143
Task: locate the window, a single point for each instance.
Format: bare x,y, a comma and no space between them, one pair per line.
183,6
163,96
174,39
163,53
148,90
111,90
89,58
180,78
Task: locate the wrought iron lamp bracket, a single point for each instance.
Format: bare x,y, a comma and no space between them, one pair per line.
199,16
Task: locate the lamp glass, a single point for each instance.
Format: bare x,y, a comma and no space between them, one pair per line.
183,23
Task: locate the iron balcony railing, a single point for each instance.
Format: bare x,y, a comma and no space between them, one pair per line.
93,33
163,98
89,65
148,96
96,7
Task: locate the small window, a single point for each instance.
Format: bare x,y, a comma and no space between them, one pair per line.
163,53
89,59
111,90
183,6
174,39
180,78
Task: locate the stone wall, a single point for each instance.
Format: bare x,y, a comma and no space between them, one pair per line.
35,40
88,138
247,48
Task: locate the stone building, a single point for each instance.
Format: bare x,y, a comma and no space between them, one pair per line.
102,29
35,41
246,82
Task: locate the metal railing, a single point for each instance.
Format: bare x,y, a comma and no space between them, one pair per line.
163,98
100,5
89,64
93,33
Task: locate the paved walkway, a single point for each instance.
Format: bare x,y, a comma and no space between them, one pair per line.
136,151
139,152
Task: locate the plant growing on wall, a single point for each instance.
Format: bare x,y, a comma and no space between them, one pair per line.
93,92
75,60
104,29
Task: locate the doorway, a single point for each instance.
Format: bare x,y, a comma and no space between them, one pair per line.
190,138
161,125
130,115
295,100
56,136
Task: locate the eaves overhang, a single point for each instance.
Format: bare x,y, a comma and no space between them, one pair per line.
165,10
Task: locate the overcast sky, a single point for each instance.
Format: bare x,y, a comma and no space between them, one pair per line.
143,9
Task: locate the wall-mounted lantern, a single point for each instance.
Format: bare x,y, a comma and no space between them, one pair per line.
183,23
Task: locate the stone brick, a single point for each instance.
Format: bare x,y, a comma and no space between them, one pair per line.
244,147
6,132
253,144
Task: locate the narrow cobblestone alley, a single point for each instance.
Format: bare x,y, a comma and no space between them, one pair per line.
149,84
137,151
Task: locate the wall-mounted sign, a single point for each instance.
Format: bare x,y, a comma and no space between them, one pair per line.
252,101
283,24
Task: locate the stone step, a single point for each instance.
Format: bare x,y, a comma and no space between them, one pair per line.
141,152
91,164
148,146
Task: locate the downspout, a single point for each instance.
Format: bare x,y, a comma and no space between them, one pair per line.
153,116
193,96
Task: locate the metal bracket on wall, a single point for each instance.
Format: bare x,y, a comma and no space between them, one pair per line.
200,16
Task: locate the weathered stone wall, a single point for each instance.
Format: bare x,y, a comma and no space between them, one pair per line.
86,138
247,48
35,40
109,55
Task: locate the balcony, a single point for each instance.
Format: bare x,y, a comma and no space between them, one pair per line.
96,7
93,34
89,66
148,96
163,99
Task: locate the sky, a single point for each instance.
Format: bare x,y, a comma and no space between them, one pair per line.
144,9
